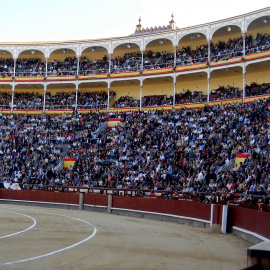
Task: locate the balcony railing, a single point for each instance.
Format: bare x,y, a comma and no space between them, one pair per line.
135,65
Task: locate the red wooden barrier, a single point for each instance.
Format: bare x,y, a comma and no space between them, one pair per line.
96,199
40,196
173,207
251,220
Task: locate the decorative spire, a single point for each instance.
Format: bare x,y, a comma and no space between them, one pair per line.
172,18
172,23
138,25
142,31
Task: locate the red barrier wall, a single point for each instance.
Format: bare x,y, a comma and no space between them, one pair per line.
217,215
96,199
42,196
251,220
181,208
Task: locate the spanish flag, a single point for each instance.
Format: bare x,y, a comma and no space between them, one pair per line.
240,158
112,122
68,162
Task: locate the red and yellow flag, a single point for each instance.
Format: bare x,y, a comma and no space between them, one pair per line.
112,122
240,158
68,162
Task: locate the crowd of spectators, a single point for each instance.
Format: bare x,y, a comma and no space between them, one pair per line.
5,99
85,100
170,151
93,100
6,67
187,96
31,145
99,99
60,100
255,89
30,67
97,66
68,67
28,101
126,101
131,61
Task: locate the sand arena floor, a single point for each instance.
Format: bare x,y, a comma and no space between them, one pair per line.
35,238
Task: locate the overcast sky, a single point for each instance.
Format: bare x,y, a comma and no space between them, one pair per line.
60,20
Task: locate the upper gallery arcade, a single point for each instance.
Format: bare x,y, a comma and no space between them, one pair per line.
146,55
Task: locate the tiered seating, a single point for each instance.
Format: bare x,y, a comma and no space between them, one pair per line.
68,67
132,61
29,67
182,97
126,101
255,89
6,67
153,100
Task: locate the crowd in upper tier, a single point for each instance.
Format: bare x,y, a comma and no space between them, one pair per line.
173,151
85,100
59,100
132,61
187,96
99,99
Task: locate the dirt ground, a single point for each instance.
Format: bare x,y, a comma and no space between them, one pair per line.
36,238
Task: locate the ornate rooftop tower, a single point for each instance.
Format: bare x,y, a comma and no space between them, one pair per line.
173,23
143,31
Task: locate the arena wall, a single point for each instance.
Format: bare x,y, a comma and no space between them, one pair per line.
250,222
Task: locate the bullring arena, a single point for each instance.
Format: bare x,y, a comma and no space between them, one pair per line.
67,239
149,151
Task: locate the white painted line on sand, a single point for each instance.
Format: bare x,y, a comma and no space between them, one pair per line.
29,228
59,250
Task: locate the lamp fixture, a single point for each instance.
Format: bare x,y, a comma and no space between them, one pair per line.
100,49
33,52
199,35
265,20
192,37
229,29
161,41
129,45
93,49
64,51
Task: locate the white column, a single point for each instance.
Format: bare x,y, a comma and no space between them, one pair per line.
212,215
141,88
141,81
108,101
14,68
208,72
76,96
244,68
174,58
209,51
224,219
12,97
46,68
244,46
208,86
174,87
142,52
110,63
110,201
81,201
244,83
78,66
44,97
